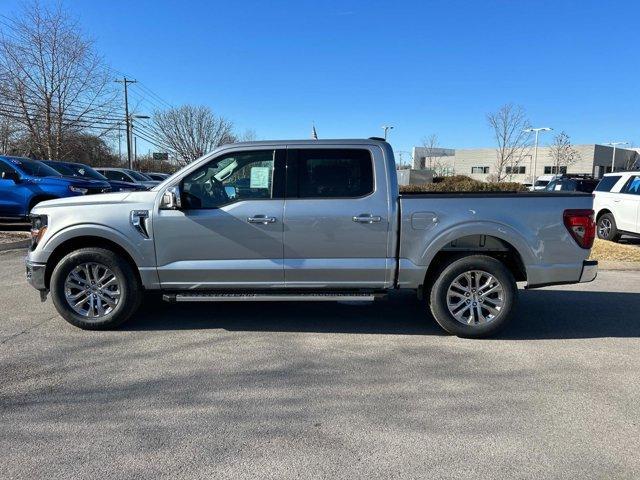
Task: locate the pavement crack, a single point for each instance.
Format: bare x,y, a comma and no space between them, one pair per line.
26,330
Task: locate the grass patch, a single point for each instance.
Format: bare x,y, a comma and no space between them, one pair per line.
609,251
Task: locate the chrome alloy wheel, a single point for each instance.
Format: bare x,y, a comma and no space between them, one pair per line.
604,228
475,297
92,290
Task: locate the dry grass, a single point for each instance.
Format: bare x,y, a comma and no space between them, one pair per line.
609,251
9,237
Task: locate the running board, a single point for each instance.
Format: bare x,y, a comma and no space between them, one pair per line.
273,297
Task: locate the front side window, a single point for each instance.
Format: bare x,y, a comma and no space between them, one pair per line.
6,171
333,173
230,178
632,186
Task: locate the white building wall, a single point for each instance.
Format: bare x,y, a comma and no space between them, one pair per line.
594,160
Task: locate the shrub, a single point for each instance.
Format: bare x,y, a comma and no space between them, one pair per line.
461,183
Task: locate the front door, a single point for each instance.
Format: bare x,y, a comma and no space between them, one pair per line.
12,195
337,225
228,232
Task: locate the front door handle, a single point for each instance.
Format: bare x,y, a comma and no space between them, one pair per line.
367,218
263,219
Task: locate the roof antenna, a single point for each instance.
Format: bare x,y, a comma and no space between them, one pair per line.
314,134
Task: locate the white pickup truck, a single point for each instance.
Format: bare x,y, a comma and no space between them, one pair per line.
306,221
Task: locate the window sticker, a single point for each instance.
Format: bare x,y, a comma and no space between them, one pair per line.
259,177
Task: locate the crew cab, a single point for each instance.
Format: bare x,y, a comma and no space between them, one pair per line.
25,182
311,220
617,205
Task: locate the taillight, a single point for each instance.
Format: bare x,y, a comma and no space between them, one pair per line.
581,226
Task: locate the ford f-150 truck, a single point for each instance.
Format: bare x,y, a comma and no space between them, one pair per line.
315,220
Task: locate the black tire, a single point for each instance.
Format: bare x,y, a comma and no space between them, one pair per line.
475,329
607,228
131,291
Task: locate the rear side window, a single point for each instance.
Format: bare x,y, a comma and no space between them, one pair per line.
607,183
333,173
632,186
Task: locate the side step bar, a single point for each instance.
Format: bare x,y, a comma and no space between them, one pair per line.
273,297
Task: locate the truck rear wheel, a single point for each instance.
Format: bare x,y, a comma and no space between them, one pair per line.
473,296
95,289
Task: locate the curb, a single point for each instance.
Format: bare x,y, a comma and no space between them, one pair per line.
19,245
618,266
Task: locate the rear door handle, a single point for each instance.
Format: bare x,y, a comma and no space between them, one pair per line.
367,218
263,219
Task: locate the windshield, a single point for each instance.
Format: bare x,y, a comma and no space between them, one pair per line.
138,176
34,168
85,171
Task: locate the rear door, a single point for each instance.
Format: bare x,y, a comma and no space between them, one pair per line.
337,221
629,205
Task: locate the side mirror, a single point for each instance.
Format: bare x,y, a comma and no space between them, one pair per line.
171,199
10,176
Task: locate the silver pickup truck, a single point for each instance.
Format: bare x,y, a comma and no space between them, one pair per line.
305,221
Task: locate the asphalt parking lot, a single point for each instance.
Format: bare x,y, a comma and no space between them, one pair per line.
322,390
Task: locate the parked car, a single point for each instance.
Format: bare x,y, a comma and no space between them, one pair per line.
528,186
316,220
542,181
126,175
160,177
617,205
25,182
72,169
572,183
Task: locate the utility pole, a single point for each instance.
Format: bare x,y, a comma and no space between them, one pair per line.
125,81
535,151
613,157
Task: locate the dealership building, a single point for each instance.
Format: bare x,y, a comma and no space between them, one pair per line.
480,163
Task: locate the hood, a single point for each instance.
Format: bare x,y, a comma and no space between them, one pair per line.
104,199
75,181
86,182
118,185
150,183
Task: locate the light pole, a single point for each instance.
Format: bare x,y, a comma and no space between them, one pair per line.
386,128
613,157
535,150
135,140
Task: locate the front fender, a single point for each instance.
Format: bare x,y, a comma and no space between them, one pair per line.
141,250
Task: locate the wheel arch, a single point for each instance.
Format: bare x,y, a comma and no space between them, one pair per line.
85,241
475,244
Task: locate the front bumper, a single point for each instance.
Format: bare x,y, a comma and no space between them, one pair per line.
589,271
35,274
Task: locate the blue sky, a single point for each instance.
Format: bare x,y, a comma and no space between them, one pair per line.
351,66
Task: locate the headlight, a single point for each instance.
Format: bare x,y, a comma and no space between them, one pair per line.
38,228
80,190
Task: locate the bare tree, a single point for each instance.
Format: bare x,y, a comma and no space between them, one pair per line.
434,158
52,82
191,131
508,125
562,152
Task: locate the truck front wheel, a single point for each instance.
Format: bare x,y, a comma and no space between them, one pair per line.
95,289
473,296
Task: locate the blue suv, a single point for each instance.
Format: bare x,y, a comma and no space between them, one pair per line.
25,182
